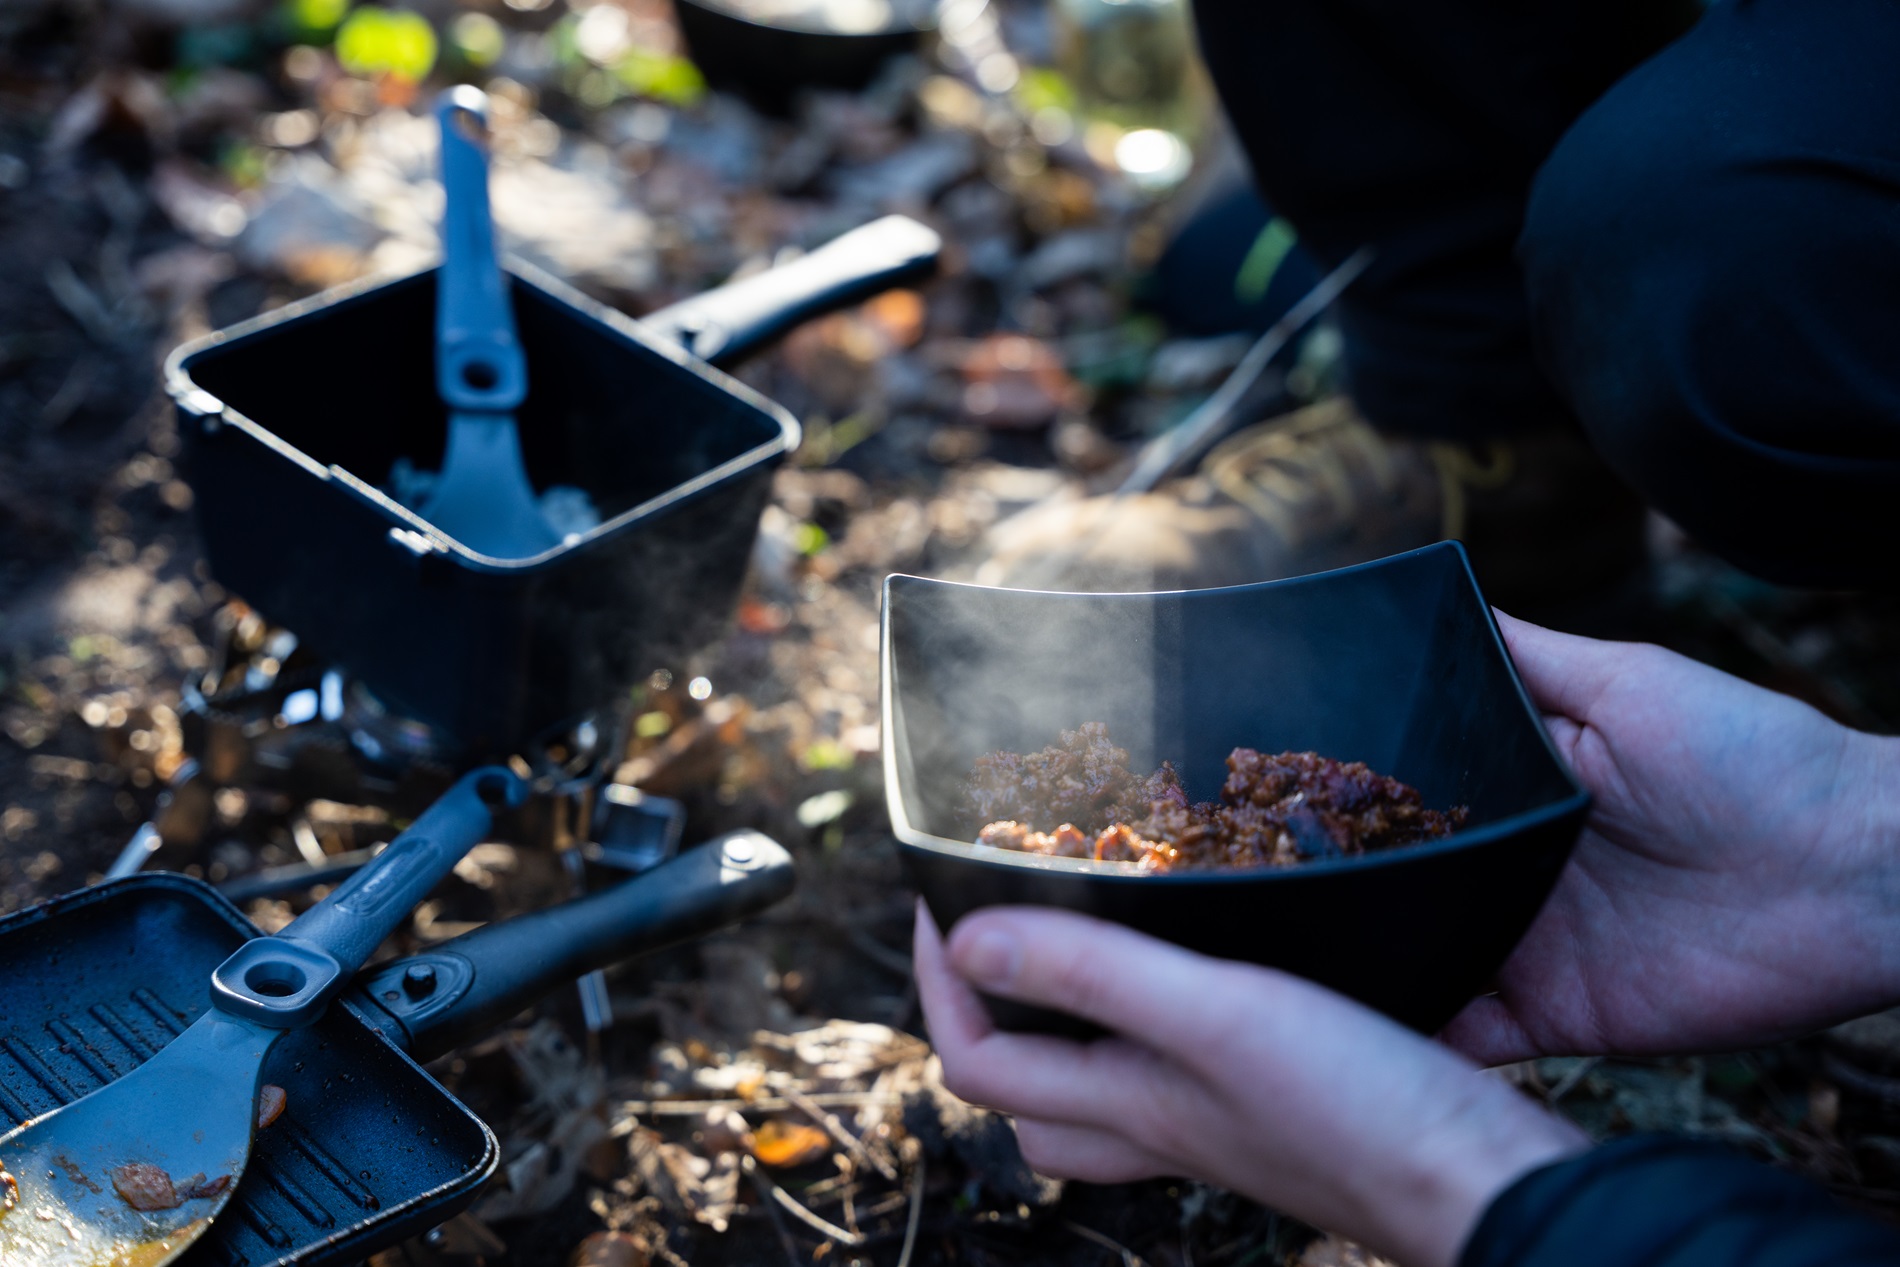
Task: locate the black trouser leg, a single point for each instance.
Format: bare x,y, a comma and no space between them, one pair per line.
1712,257
1416,126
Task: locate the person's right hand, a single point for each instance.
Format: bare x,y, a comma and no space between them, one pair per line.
1738,881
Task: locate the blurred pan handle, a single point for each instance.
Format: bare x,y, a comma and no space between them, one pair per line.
726,325
429,1003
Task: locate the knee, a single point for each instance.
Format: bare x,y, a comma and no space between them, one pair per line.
1715,307
1619,236
1615,252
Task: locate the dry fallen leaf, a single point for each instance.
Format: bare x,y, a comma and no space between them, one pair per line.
724,1131
1014,381
789,1143
1330,1251
609,1249
689,1185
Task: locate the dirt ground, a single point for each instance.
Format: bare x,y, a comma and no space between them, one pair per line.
766,1094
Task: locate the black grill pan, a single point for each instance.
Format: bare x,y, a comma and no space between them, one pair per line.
370,1149
93,983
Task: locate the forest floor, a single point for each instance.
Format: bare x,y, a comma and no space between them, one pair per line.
766,1093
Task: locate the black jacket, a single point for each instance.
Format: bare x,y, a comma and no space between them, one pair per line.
1654,1201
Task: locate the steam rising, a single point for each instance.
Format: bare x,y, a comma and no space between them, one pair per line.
1392,665
981,670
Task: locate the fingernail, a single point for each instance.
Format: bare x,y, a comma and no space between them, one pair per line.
992,958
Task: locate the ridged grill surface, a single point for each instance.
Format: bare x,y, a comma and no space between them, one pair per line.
94,987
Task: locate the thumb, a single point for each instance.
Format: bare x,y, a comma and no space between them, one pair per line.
1488,1032
1564,674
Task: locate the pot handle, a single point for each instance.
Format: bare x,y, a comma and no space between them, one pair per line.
287,980
728,324
429,1003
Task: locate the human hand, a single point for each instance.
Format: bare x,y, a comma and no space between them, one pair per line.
1243,1076
1736,882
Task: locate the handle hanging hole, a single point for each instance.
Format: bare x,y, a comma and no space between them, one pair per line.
276,980
480,375
497,790
469,125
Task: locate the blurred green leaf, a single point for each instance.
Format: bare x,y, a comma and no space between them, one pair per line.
1042,88
478,38
596,89
1264,258
827,754
315,16
851,431
661,76
1116,358
810,539
395,42
561,45
243,164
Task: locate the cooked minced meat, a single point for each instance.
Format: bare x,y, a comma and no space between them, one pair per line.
1078,799
1083,779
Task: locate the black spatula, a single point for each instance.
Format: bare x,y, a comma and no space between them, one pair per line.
481,496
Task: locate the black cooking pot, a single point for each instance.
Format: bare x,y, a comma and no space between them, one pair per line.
293,422
370,1149
769,60
1396,663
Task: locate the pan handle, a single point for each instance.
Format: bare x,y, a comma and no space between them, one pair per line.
429,1003
287,980
726,325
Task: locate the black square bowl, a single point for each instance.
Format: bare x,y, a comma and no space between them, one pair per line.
1396,663
292,422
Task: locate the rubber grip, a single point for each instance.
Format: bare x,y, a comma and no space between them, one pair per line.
480,979
726,325
353,920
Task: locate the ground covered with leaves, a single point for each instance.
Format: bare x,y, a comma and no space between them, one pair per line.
168,167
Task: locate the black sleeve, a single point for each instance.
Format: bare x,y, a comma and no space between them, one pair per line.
1654,1201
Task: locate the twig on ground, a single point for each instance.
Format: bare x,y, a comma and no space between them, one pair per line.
634,1109
827,1190
790,1204
83,304
916,1211
1129,1257
908,1012
785,1240
882,1206
1568,1083
851,1143
878,953
669,1257
71,394
1826,691
848,1170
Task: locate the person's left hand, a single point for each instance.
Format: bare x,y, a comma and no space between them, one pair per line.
1242,1076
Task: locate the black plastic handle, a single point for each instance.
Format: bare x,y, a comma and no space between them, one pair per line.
479,367
285,981
430,1003
726,325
